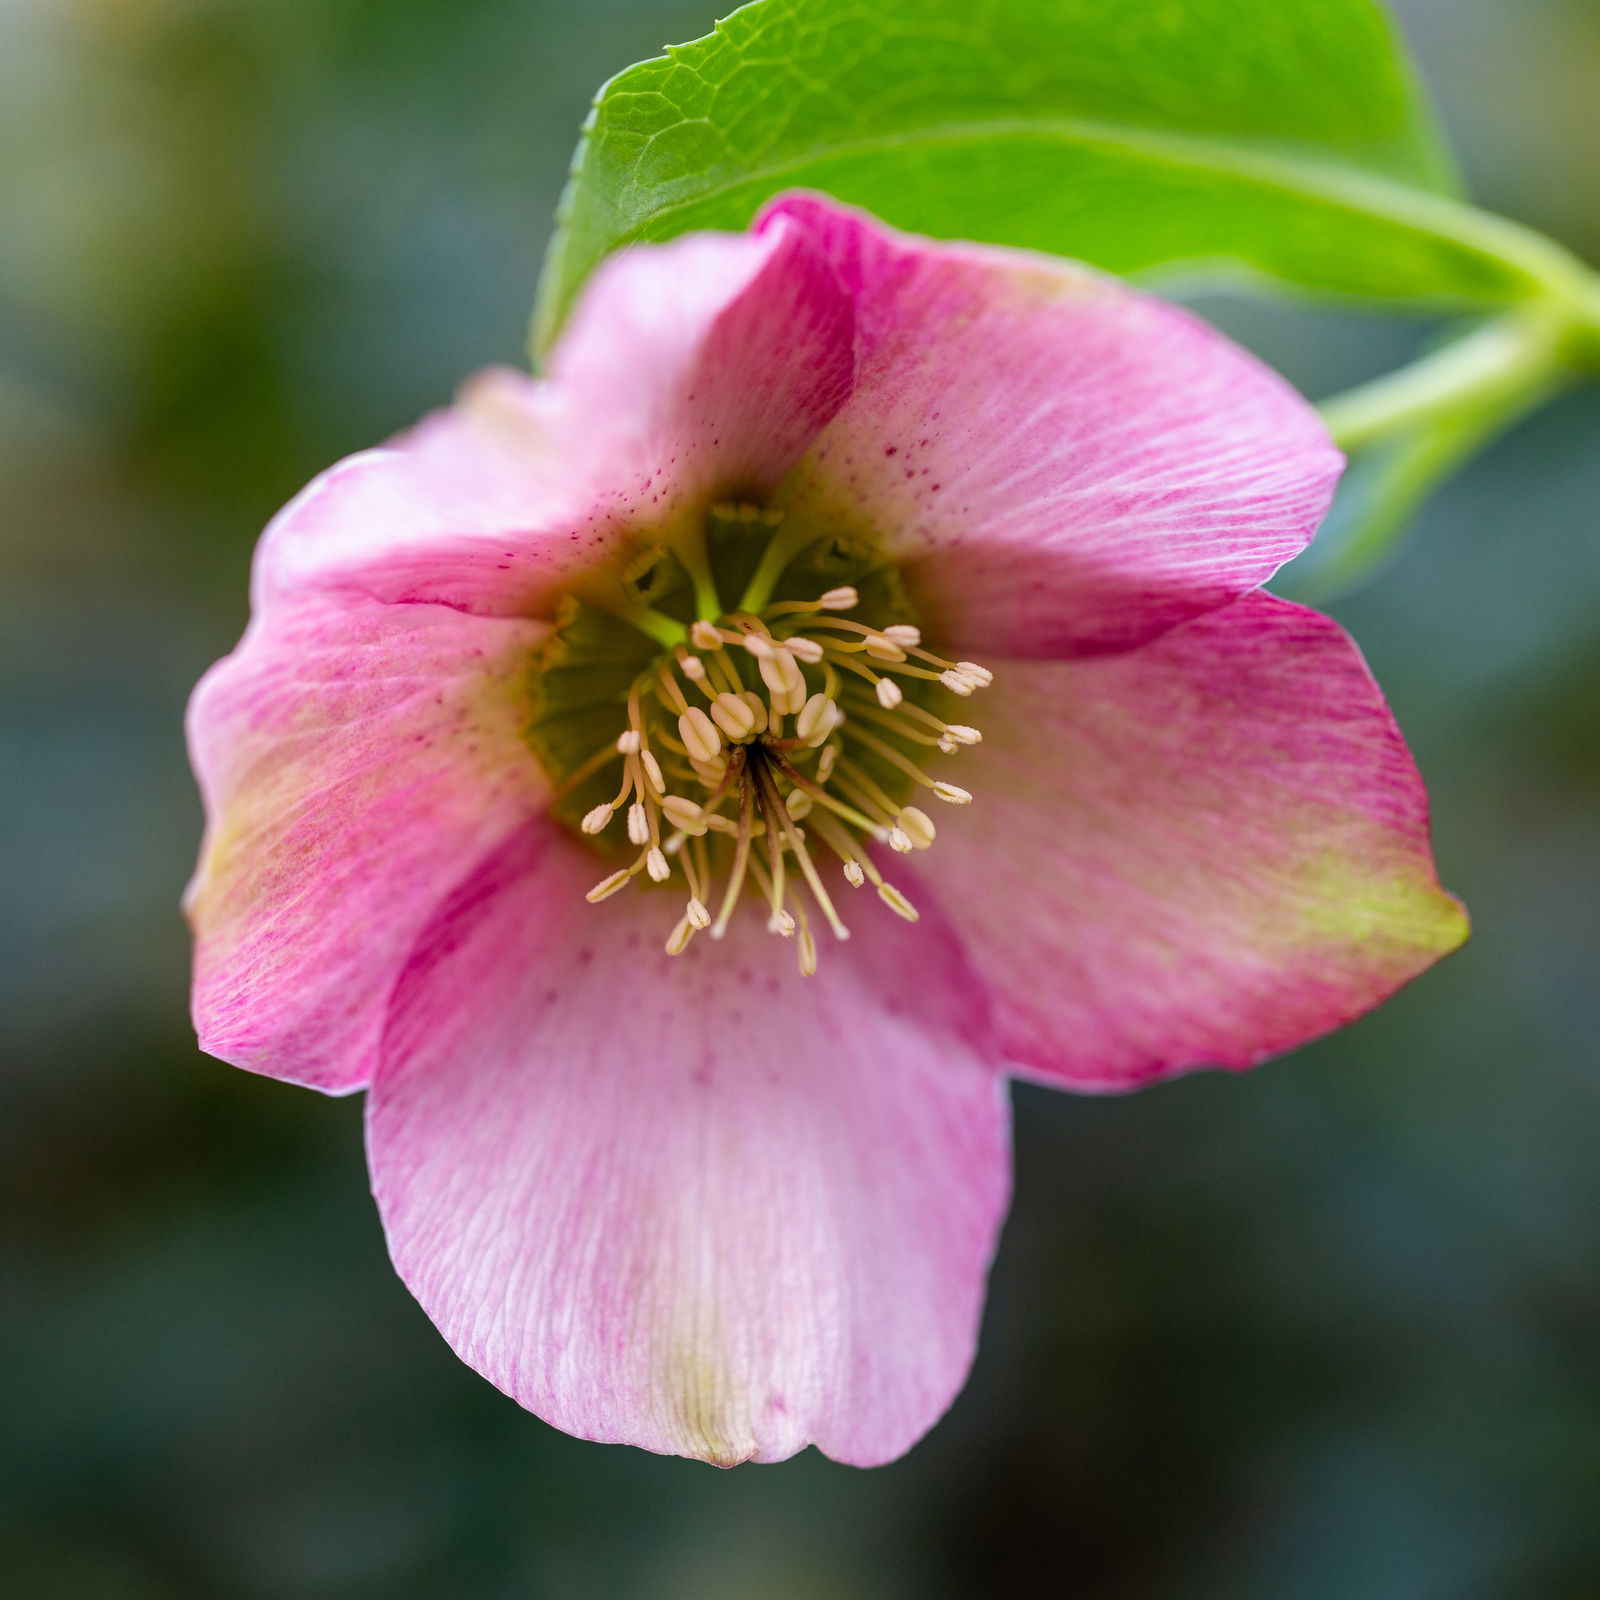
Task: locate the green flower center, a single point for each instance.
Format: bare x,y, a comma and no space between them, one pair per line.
754,749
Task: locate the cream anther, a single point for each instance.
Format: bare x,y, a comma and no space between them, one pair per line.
781,922
638,824
697,914
904,635
704,636
699,735
628,742
694,669
841,599
816,713
825,762
882,649
897,902
853,872
804,648
680,936
798,805
685,814
890,694
732,713
608,887
807,954
951,795
900,840
652,770
961,734
656,865
981,676
759,645
758,708
917,825
595,821
957,682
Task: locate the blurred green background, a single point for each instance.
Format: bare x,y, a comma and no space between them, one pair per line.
1328,1332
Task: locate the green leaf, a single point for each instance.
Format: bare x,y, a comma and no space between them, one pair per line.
1276,138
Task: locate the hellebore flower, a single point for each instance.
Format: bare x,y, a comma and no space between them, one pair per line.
574,734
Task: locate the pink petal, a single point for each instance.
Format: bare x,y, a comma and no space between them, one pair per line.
1066,466
1203,852
692,372
355,763
699,1204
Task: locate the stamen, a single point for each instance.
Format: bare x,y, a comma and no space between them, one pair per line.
656,865
652,770
951,795
595,821
733,715
897,902
843,598
638,825
918,826
699,735
609,886
704,636
890,694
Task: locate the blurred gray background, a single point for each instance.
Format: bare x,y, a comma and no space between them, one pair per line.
1328,1332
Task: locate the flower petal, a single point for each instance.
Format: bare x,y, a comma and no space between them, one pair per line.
355,763
1066,466
693,372
1203,852
702,1204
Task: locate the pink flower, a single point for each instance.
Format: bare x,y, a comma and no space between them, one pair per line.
705,605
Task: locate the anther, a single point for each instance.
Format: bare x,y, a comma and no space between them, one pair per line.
699,735
608,887
904,635
957,682
841,599
960,734
897,902
733,715
680,936
807,954
697,915
882,649
816,714
652,770
951,795
890,694
704,636
628,742
685,814
758,709
638,824
781,922
917,825
798,804
825,763
900,840
656,865
981,676
595,821
694,669
853,872
804,648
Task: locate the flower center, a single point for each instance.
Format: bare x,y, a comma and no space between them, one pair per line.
760,747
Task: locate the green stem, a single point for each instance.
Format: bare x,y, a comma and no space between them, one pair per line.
1500,370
